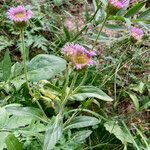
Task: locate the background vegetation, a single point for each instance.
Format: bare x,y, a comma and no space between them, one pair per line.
89,122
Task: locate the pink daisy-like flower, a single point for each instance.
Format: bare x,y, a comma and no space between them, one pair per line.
19,14
137,33
119,4
79,56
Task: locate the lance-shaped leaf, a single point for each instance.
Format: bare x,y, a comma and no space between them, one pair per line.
88,92
132,11
13,143
53,133
82,121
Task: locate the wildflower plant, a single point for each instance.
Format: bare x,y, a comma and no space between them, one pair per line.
64,103
20,16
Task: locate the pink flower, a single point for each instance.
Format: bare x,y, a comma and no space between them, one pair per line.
79,56
137,33
19,14
119,4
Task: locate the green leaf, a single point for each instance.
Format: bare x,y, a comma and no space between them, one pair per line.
132,11
15,122
130,136
66,32
146,105
137,87
5,42
53,134
3,135
16,70
128,22
114,128
145,15
41,67
13,143
4,116
6,66
8,121
17,110
88,92
36,129
45,66
134,99
81,135
82,121
40,42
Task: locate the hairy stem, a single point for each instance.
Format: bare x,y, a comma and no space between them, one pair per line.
24,57
25,70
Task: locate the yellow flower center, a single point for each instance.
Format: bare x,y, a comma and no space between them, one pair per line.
20,15
81,59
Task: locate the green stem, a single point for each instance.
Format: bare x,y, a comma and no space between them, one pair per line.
64,101
66,81
73,82
25,69
82,82
40,107
103,24
24,57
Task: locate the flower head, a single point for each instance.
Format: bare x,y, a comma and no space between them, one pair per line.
119,4
78,55
137,33
19,14
115,5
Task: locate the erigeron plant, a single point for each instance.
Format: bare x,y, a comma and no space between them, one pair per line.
20,16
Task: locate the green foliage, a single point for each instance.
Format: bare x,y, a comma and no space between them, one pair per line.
6,66
41,67
114,128
62,108
13,143
132,11
82,121
90,91
53,133
5,43
58,2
